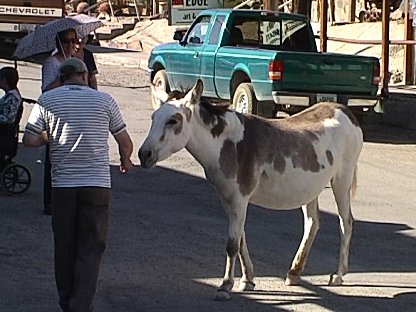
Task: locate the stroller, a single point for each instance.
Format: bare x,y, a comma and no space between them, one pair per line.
14,178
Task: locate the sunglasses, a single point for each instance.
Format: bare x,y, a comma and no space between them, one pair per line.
70,40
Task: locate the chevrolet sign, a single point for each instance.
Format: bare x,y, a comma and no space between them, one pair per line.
30,11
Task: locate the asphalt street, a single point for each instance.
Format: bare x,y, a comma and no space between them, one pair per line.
168,231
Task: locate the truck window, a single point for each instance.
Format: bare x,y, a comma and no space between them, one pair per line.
199,30
216,29
274,34
295,36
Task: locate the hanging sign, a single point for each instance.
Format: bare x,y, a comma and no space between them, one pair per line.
183,12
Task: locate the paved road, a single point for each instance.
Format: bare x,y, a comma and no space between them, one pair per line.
166,246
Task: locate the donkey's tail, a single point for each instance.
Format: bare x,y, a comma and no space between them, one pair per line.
354,183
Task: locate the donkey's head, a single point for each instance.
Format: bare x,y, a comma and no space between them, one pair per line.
170,130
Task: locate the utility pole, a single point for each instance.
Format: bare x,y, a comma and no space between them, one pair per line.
385,48
323,19
409,63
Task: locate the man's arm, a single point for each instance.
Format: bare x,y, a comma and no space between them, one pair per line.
125,149
35,140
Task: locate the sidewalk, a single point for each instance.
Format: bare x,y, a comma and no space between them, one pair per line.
120,57
126,59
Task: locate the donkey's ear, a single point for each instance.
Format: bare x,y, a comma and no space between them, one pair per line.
195,93
159,96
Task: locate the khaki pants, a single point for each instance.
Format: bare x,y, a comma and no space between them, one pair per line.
79,223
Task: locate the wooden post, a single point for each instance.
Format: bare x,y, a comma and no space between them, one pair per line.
112,11
271,5
149,7
331,11
137,10
323,18
409,62
353,5
385,48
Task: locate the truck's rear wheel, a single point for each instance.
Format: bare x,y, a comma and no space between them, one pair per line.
244,99
160,81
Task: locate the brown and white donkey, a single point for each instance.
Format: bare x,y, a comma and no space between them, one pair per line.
282,164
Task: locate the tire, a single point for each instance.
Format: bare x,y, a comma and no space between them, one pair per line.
15,179
244,99
160,81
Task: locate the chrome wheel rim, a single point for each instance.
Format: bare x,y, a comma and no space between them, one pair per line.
242,104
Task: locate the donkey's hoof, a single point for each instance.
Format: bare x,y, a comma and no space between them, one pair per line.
335,280
246,286
222,295
292,280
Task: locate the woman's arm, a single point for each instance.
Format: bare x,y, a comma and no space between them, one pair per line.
92,81
50,77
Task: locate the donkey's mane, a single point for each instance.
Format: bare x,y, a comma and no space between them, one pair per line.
216,110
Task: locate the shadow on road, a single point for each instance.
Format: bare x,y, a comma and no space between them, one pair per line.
166,250
378,132
180,219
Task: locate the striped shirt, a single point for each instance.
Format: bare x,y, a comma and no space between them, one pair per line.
78,120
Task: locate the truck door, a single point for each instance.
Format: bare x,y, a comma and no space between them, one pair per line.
186,60
208,57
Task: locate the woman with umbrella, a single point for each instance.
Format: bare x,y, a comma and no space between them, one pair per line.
66,45
60,35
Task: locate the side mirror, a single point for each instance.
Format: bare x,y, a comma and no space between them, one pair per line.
178,35
195,40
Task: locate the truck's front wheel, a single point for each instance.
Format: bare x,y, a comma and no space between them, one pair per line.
244,99
160,81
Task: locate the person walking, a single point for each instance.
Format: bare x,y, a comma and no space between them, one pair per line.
76,120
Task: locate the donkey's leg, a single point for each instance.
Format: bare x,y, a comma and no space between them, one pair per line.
341,189
246,282
236,210
311,226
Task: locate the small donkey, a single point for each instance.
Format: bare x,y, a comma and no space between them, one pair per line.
282,164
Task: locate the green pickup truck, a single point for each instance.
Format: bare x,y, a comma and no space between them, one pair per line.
262,62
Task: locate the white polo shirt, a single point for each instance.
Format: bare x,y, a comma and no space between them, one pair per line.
78,120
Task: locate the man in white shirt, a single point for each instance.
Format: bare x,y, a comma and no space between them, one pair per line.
75,120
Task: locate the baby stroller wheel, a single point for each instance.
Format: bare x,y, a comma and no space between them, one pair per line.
15,179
